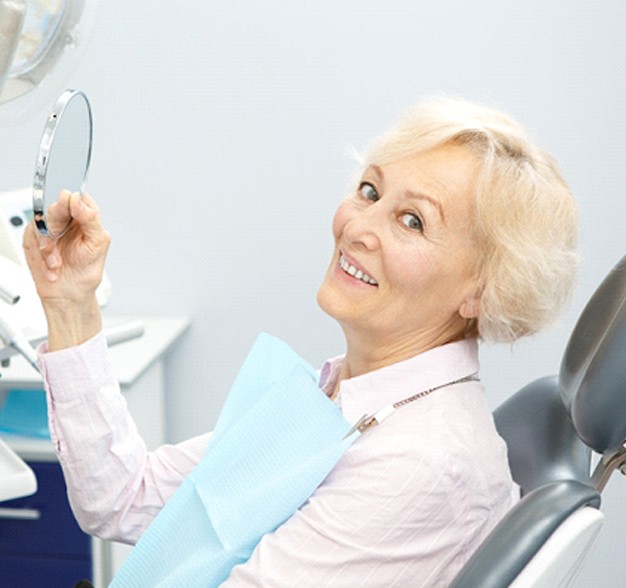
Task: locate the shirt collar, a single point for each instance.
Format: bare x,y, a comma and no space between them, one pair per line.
368,393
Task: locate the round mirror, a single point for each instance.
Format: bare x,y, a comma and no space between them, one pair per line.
64,156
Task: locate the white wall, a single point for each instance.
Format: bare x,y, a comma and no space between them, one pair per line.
221,150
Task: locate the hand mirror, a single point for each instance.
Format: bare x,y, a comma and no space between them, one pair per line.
63,158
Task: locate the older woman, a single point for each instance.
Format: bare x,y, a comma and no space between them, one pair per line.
458,228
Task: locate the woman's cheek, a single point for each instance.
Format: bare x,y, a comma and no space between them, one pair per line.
341,218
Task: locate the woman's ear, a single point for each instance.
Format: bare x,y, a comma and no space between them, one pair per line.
470,308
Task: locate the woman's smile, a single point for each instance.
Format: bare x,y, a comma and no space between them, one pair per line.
352,269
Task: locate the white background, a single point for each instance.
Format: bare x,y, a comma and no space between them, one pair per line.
222,138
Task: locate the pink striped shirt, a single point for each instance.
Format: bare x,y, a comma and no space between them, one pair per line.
406,505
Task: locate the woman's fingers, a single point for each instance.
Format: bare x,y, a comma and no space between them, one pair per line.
38,258
58,214
47,247
84,243
85,212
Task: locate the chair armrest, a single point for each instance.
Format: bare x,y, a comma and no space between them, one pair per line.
521,533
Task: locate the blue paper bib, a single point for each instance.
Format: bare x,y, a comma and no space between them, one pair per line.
277,438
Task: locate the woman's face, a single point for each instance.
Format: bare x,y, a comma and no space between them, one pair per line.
403,275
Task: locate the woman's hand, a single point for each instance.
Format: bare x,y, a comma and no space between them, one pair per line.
68,270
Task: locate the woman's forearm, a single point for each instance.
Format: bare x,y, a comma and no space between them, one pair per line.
70,324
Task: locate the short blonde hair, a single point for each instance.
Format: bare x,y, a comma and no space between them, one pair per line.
526,218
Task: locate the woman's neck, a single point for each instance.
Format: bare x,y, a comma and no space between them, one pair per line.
366,354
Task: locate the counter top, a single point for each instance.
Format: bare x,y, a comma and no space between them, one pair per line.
130,359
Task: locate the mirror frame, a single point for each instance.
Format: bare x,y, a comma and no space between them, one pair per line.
43,158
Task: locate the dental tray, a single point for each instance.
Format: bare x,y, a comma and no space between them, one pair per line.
16,478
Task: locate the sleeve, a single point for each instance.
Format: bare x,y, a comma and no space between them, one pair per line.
388,515
115,486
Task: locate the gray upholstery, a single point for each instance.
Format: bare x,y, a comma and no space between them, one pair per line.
515,540
593,369
550,427
542,443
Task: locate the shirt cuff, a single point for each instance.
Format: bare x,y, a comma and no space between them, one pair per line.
84,367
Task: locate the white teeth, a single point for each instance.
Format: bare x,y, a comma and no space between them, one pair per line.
356,273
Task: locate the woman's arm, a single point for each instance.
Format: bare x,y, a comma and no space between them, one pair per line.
116,486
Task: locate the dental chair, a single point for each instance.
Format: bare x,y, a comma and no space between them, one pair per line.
551,427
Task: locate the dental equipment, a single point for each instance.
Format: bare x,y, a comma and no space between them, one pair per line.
7,293
42,43
14,338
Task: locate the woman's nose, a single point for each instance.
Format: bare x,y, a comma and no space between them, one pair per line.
363,229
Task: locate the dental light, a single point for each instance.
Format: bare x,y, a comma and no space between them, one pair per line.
41,43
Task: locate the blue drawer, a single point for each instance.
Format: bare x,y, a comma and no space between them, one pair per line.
55,532
23,572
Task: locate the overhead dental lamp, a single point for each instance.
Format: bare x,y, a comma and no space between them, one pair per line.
41,43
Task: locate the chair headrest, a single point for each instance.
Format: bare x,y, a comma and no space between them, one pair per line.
593,370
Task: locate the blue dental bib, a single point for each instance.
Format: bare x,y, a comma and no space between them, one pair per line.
277,438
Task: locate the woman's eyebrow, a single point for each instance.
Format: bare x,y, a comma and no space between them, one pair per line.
410,193
425,197
377,170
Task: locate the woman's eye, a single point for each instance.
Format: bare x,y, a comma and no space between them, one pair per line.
368,191
412,221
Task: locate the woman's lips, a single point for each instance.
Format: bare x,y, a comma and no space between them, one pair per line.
355,272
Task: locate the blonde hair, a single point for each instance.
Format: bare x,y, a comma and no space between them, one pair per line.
526,218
